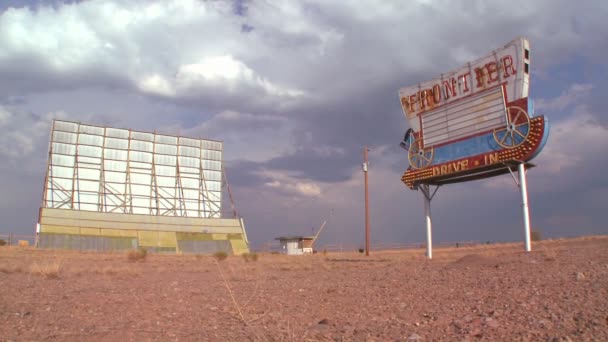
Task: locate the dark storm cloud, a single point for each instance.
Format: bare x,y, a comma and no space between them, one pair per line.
310,164
244,173
33,4
30,74
298,90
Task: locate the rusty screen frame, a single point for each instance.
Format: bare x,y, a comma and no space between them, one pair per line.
105,169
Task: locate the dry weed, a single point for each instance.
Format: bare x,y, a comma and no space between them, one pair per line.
250,257
49,270
220,256
121,271
10,268
137,254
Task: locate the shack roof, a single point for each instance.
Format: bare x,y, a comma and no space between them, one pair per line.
295,237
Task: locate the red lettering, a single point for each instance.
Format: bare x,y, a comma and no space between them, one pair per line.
436,93
492,72
411,102
422,99
507,63
426,98
480,77
450,87
463,80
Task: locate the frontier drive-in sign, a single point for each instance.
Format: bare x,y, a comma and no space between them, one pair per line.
473,122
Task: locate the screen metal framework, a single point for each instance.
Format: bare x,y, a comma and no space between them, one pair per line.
115,170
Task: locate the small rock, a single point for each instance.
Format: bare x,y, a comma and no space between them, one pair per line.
324,321
475,332
414,337
492,323
458,324
580,276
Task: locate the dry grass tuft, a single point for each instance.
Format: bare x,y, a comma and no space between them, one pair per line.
49,270
120,271
107,270
250,257
220,256
137,254
4,268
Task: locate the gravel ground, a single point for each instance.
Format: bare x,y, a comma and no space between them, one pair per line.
559,292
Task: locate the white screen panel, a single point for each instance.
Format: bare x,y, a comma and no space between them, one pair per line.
166,149
190,183
122,144
117,133
86,139
64,137
162,170
63,148
62,160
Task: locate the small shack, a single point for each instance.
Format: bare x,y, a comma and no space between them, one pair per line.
296,245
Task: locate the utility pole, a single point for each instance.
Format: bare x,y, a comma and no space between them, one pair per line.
365,165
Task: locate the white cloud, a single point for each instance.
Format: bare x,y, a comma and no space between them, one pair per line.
573,142
191,46
215,72
156,84
291,187
24,136
5,116
246,136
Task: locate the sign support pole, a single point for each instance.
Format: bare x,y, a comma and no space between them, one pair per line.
426,192
429,224
523,185
367,233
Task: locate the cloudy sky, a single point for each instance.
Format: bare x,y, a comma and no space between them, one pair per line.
295,89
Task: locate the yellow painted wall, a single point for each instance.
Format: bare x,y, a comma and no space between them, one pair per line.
118,233
147,239
89,231
219,236
61,229
167,239
150,231
239,247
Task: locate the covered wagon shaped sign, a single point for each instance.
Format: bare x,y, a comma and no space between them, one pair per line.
472,122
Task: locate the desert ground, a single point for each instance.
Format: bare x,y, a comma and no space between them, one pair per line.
558,292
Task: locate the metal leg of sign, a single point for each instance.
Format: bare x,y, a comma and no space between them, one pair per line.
426,192
523,186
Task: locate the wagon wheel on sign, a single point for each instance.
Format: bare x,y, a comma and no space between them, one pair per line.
418,156
517,128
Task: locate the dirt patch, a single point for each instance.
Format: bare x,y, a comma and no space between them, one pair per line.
471,260
558,292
